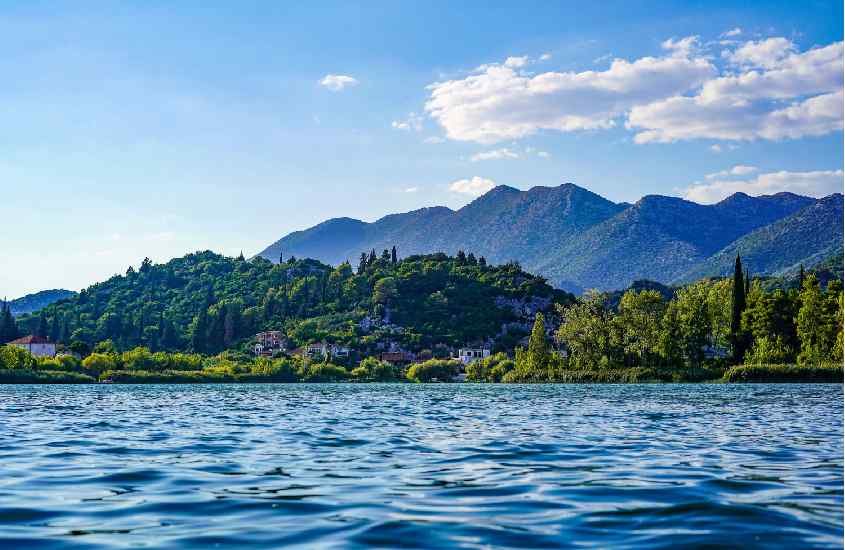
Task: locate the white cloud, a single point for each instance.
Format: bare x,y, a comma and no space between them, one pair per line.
766,54
337,82
603,58
499,103
411,189
733,32
738,170
543,154
434,139
495,154
413,122
796,95
475,186
545,57
683,47
516,62
817,183
769,90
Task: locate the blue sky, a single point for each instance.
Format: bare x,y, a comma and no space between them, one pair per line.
157,128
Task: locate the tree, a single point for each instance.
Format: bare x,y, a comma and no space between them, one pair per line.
199,332
8,326
393,258
281,257
810,322
539,354
587,331
461,257
694,321
482,261
640,314
737,307
362,263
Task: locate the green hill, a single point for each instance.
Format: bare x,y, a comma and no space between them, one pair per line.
34,302
205,302
808,236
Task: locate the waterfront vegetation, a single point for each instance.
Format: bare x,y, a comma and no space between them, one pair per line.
732,330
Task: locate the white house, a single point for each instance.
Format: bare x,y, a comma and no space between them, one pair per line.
469,355
36,345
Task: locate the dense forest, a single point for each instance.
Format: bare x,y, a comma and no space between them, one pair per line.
206,303
192,320
714,328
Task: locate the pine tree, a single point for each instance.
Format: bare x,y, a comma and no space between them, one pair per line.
482,261
461,257
737,307
199,334
281,257
372,259
362,263
747,284
539,354
8,326
240,257
801,278
393,258
41,328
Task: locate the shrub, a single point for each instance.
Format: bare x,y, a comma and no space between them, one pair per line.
441,370
824,372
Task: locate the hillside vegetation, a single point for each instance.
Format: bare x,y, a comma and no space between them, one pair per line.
206,303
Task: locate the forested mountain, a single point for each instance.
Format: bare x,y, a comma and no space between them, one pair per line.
206,303
575,238
808,236
37,300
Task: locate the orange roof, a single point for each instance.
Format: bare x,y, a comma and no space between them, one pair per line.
31,339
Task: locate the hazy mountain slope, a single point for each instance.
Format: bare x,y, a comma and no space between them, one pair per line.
807,236
572,236
659,238
34,302
503,224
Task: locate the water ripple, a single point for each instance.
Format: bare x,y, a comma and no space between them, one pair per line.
421,466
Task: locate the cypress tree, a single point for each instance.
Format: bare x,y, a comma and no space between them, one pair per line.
362,263
737,307
747,284
281,257
199,336
372,259
393,258
801,278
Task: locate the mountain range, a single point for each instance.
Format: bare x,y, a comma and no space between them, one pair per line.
579,240
37,300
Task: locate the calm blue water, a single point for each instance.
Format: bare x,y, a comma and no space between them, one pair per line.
435,466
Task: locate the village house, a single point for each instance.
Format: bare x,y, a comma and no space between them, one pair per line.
36,345
469,355
397,358
269,342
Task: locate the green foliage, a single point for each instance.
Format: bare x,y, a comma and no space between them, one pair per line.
434,370
825,372
489,369
374,370
207,303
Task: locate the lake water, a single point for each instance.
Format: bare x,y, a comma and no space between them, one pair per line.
421,466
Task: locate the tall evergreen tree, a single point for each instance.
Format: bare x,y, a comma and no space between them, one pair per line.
393,258
737,307
801,278
362,263
747,284
372,259
281,257
199,333
8,326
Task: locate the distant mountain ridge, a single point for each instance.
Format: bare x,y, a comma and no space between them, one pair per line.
579,240
38,300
